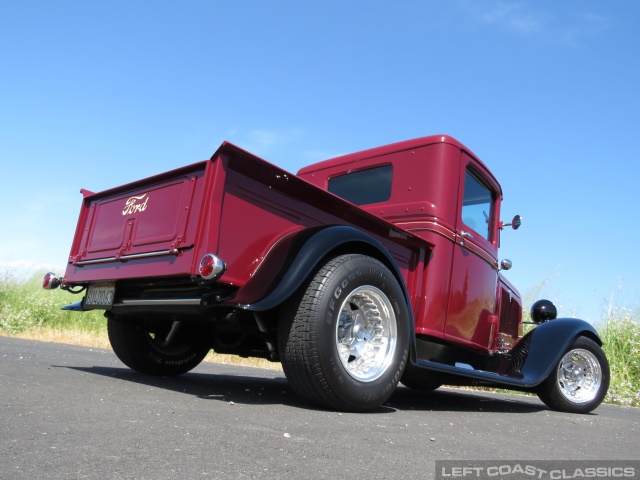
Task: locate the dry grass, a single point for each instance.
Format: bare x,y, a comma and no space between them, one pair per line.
59,335
90,339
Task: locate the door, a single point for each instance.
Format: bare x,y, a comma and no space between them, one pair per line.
471,311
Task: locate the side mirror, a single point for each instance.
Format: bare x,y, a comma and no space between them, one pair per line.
515,223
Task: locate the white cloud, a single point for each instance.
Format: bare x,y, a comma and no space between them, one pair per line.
314,156
265,139
266,143
512,16
522,19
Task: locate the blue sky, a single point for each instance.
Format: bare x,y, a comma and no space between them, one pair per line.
95,94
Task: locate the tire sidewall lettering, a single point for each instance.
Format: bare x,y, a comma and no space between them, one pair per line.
337,370
171,361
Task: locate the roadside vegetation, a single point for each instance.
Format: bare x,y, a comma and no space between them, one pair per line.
620,332
28,311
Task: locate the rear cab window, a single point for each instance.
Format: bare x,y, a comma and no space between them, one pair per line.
363,187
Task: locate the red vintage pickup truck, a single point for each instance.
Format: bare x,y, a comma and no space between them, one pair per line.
357,273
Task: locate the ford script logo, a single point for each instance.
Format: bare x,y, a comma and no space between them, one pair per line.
135,204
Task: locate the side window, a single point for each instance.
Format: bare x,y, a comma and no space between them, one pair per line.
364,186
477,205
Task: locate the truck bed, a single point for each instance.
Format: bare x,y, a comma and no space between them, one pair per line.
234,205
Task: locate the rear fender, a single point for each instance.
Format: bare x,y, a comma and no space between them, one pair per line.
295,257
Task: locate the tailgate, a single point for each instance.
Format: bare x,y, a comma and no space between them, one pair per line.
144,219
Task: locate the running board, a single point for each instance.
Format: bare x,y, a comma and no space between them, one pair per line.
479,375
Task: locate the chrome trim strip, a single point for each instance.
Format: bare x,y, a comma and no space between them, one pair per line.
145,255
98,260
127,257
448,236
477,250
157,302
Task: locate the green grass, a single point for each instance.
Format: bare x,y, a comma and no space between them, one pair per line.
28,311
620,333
25,306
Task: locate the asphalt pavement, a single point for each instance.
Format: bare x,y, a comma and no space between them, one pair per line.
70,412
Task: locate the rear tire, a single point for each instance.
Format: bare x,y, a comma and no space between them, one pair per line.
157,347
344,339
579,381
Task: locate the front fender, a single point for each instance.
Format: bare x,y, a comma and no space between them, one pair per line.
296,256
539,351
548,342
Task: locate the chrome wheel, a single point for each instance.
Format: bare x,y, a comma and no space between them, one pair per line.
579,376
579,381
366,333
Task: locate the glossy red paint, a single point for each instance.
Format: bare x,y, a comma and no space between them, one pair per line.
242,209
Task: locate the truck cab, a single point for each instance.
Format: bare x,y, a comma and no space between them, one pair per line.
438,190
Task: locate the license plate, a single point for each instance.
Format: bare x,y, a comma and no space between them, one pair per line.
100,295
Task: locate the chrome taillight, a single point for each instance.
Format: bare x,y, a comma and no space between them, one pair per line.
211,267
51,281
